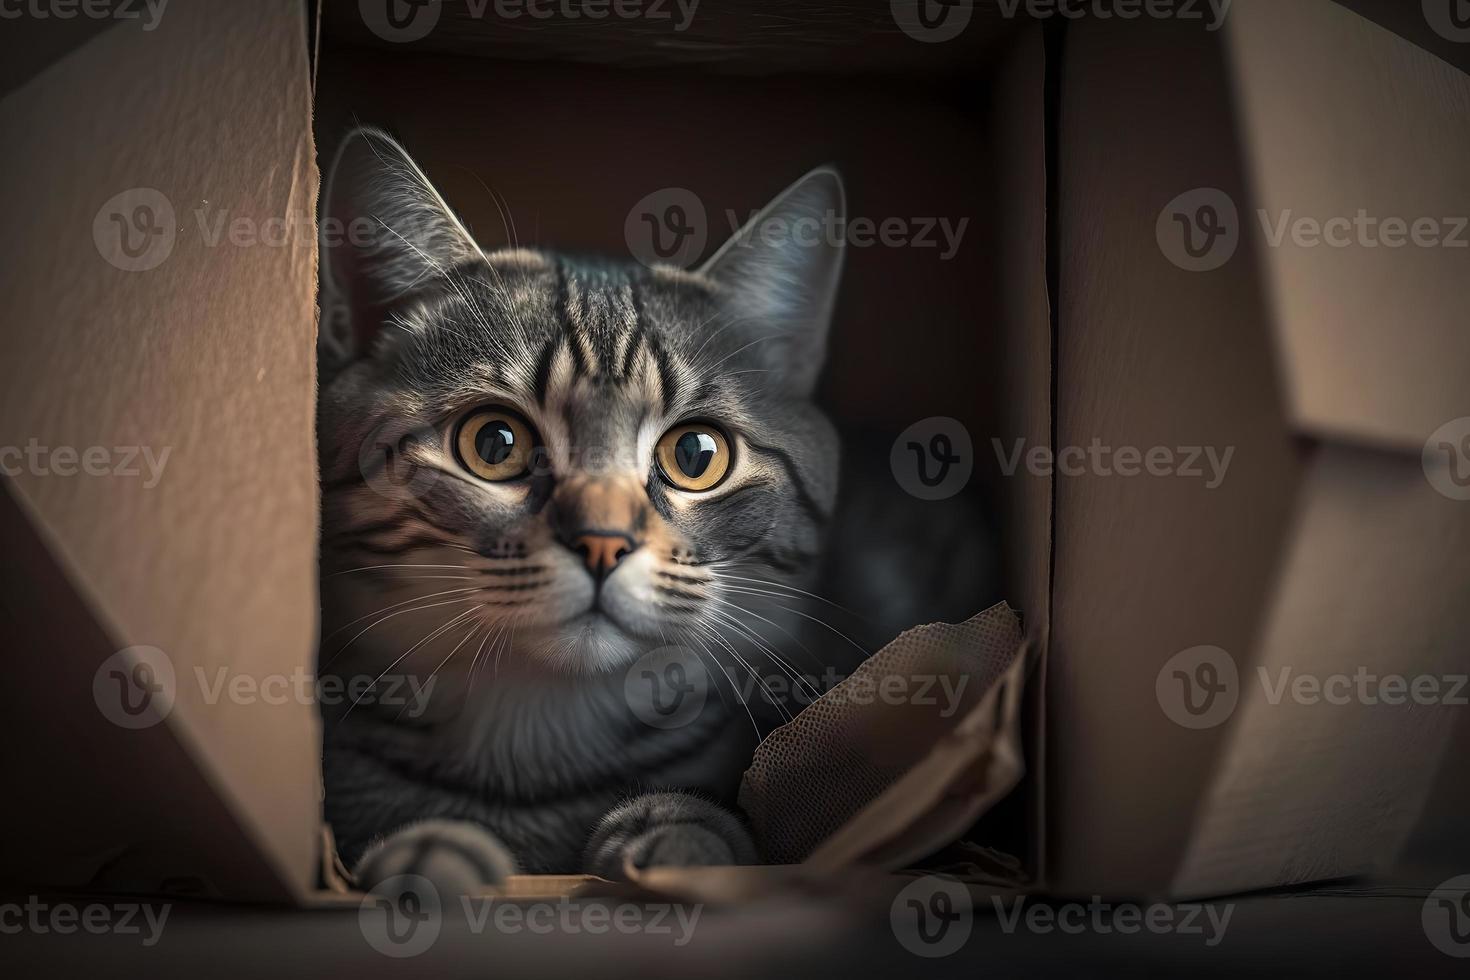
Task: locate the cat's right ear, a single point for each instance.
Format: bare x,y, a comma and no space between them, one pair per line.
385,232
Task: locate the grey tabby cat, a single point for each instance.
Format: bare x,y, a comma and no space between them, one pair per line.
539,472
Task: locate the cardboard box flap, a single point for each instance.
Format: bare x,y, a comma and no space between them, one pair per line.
157,409
900,758
1329,783
1162,784
1357,143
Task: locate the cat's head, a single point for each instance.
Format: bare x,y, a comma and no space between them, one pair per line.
575,460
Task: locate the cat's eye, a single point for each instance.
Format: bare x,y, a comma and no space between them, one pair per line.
694,456
495,444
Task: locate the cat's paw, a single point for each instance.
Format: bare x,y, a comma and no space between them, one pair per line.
456,856
663,829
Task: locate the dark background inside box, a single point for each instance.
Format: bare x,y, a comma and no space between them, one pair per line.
571,149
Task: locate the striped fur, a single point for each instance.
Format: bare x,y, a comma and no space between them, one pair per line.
466,586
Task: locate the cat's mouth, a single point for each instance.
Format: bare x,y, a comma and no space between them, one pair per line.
595,618
594,640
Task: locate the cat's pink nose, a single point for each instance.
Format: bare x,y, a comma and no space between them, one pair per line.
602,552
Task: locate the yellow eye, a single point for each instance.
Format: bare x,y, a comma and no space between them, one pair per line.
494,444
694,457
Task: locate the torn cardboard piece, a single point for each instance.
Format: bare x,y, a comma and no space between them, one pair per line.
859,783
928,701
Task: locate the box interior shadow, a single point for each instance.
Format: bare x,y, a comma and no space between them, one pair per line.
532,145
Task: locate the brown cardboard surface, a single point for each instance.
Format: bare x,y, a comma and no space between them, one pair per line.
1313,556
1339,116
1149,355
209,355
1308,791
98,810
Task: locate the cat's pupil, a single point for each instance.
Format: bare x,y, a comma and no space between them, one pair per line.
494,442
693,453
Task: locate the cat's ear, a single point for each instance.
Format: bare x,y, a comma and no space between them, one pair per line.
780,273
385,232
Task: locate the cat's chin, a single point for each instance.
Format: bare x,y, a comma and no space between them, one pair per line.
590,643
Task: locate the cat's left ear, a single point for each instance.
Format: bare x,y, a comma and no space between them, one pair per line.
780,273
385,233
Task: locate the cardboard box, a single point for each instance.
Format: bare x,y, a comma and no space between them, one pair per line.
1069,317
